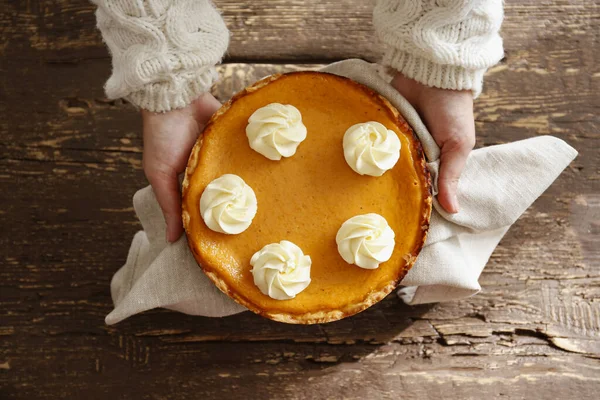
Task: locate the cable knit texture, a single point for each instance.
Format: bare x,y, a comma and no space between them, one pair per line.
442,43
163,51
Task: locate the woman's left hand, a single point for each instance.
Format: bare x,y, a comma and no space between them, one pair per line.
448,115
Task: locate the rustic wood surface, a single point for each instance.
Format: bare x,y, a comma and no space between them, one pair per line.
70,161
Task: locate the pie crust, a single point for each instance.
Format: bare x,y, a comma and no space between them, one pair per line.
305,198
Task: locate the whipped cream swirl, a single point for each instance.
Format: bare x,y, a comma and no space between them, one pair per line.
370,148
276,130
281,270
365,240
228,205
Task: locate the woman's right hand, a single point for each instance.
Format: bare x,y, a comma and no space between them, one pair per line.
168,141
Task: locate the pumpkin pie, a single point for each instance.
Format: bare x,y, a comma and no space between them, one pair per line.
305,198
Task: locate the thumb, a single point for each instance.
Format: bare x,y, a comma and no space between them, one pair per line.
166,189
204,107
452,162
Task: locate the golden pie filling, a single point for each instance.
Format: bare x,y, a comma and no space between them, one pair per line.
306,197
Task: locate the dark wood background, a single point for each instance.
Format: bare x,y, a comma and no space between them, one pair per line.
70,162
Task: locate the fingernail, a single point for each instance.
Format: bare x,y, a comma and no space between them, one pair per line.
454,203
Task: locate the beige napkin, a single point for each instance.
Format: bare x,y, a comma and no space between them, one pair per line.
497,186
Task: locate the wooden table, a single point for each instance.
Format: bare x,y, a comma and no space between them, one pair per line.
70,161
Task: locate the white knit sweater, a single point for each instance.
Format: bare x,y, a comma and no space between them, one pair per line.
442,43
164,51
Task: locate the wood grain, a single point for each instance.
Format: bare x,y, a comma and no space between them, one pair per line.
282,30
70,161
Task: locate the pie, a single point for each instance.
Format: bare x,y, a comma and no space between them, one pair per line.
305,198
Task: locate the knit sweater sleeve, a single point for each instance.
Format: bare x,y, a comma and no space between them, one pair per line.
163,51
445,43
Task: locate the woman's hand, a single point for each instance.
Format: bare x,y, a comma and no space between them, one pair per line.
448,114
168,141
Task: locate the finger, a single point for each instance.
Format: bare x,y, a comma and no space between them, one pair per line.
452,162
204,107
166,189
408,88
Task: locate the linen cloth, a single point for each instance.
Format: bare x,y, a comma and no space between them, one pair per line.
498,184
